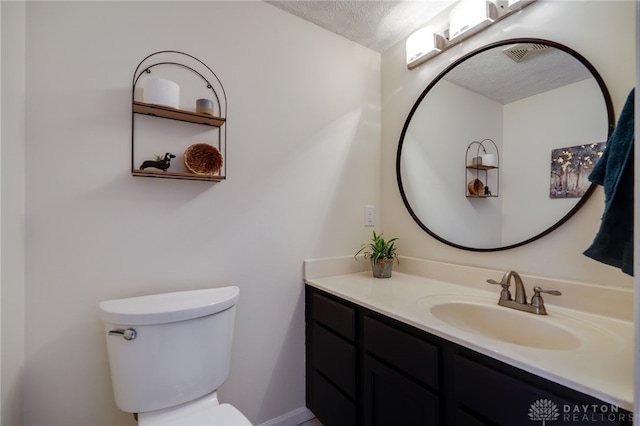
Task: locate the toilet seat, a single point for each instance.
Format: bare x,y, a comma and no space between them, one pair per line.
206,411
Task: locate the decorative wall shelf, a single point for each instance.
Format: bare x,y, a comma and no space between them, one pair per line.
214,90
176,114
482,180
174,175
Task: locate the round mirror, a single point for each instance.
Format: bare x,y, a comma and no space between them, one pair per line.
536,112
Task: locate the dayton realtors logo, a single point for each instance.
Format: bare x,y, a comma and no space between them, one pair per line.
545,410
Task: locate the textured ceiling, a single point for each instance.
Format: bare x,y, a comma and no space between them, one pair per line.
371,23
494,75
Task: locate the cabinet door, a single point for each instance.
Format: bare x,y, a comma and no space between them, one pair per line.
462,418
391,399
330,405
506,398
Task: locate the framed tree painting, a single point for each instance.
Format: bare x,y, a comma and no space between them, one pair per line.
570,168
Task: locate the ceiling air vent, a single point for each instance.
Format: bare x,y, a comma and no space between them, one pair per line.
523,51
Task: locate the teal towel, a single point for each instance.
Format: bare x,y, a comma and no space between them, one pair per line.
613,244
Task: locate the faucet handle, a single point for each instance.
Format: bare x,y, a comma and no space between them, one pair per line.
536,300
538,290
505,294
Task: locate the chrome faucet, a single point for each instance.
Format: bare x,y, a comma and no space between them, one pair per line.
520,302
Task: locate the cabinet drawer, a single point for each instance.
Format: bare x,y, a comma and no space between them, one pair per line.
495,396
335,316
415,357
330,406
335,358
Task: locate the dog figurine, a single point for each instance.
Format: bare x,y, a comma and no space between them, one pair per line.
162,164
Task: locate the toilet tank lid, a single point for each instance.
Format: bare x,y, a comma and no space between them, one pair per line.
168,307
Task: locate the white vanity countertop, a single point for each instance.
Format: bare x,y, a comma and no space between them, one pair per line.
600,366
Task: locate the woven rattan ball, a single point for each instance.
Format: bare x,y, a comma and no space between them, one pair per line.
202,159
475,187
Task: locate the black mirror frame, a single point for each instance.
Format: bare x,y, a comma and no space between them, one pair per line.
579,204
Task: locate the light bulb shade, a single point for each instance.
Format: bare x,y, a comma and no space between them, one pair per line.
469,17
422,45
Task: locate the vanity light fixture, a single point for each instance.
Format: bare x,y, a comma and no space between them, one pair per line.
470,17
467,18
422,45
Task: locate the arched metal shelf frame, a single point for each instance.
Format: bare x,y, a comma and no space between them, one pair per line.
213,83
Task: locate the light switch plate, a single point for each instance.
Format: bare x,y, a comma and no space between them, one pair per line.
369,215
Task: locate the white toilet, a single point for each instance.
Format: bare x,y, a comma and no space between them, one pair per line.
168,353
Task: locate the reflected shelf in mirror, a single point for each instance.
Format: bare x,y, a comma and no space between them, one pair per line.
481,157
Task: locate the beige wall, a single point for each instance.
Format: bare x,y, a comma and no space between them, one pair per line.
304,157
12,227
303,134
604,33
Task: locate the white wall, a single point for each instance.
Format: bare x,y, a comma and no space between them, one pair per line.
303,154
12,178
564,117
604,33
1,402
433,156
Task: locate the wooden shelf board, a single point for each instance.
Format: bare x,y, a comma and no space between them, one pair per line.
481,196
481,167
177,114
173,175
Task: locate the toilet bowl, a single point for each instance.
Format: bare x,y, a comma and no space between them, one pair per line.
169,353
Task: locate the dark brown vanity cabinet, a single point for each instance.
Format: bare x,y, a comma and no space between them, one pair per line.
331,354
397,390
364,368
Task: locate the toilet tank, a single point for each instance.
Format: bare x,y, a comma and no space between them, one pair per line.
181,349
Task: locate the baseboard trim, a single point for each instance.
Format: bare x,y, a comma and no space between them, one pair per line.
292,418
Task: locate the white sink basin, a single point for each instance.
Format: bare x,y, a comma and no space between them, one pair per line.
473,317
506,325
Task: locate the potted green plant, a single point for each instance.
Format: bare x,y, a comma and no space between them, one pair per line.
381,253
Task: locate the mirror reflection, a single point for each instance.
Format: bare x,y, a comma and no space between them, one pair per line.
543,106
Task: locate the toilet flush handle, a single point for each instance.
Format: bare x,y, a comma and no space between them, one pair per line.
128,334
